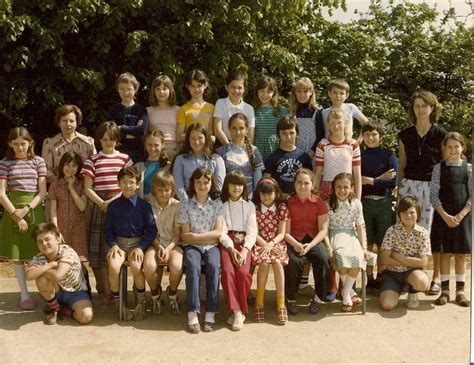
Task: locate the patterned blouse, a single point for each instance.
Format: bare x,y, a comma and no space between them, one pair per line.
413,244
346,216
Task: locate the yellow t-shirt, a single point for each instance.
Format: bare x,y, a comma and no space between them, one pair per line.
191,113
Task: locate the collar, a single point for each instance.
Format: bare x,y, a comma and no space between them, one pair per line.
154,203
238,106
264,208
192,155
417,227
234,146
133,199
195,202
313,198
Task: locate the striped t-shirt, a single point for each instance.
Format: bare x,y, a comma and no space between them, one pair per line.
336,158
74,279
103,170
23,174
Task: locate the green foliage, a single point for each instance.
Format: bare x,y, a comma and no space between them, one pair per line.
56,51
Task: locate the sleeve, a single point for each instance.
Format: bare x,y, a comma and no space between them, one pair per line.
52,192
388,239
469,184
92,150
219,171
355,154
270,164
322,207
259,166
319,126
88,169
306,160
138,130
219,109
224,238
356,113
47,154
3,170
178,175
359,215
425,244
251,116
69,256
128,161
37,260
283,213
183,217
150,226
388,184
251,227
181,117
319,156
110,237
435,185
219,209
40,166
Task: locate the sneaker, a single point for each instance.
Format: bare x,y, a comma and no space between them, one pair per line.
156,309
175,307
435,288
230,320
292,307
51,317
238,324
413,301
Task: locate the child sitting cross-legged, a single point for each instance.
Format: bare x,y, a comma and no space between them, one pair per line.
129,230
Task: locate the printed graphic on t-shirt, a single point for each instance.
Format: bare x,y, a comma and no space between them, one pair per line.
287,169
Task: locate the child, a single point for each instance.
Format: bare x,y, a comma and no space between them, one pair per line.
156,159
59,277
271,248
451,232
284,162
68,118
404,254
419,149
196,110
378,171
338,91
268,112
337,154
305,231
226,107
347,237
165,249
163,112
240,154
308,114
201,226
68,204
22,190
100,185
129,230
196,152
130,116
237,241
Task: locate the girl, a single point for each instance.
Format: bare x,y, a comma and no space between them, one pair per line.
163,112
337,154
271,248
308,115
451,232
349,245
156,158
22,190
236,246
196,110
201,226
100,185
268,112
419,149
68,204
240,154
305,231
196,152
165,250
225,108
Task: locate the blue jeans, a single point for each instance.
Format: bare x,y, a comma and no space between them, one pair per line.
192,261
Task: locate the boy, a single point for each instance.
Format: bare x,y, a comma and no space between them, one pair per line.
338,91
287,159
379,168
59,277
404,254
131,117
129,230
164,249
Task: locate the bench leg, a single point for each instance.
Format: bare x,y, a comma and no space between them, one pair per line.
122,291
363,292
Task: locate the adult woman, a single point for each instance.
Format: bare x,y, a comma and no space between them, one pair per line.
419,151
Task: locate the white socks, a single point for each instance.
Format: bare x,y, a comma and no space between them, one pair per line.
346,289
21,278
193,318
210,317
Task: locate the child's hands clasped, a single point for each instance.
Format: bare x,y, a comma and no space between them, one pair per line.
163,254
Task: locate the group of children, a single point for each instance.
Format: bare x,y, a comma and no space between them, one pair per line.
247,197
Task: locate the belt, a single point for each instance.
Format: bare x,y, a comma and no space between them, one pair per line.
128,241
374,197
236,232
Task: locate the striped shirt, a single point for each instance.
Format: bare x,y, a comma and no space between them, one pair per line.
337,157
266,138
103,170
73,280
22,174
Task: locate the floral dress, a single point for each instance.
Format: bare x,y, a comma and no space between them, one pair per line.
268,221
347,250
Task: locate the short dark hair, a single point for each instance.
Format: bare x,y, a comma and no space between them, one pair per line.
129,171
236,178
407,203
288,122
107,127
372,125
43,228
65,110
196,175
70,156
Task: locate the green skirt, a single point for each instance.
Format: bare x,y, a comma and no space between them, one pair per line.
14,244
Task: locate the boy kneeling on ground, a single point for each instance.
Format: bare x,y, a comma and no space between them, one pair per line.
59,277
129,230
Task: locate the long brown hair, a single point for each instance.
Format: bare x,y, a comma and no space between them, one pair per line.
248,145
23,133
430,99
333,198
262,83
196,175
236,178
164,160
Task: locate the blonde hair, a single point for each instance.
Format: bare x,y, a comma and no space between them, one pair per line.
339,84
127,78
306,84
336,114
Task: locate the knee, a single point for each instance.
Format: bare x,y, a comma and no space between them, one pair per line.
85,316
387,305
421,284
149,267
114,266
135,267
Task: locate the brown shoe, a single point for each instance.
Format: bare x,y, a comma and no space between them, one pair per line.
51,317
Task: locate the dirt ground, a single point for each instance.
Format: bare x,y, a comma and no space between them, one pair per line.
428,334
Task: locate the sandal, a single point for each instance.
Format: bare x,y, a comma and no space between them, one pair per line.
282,316
442,299
106,301
208,327
313,307
462,300
356,301
194,328
346,307
292,307
260,314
